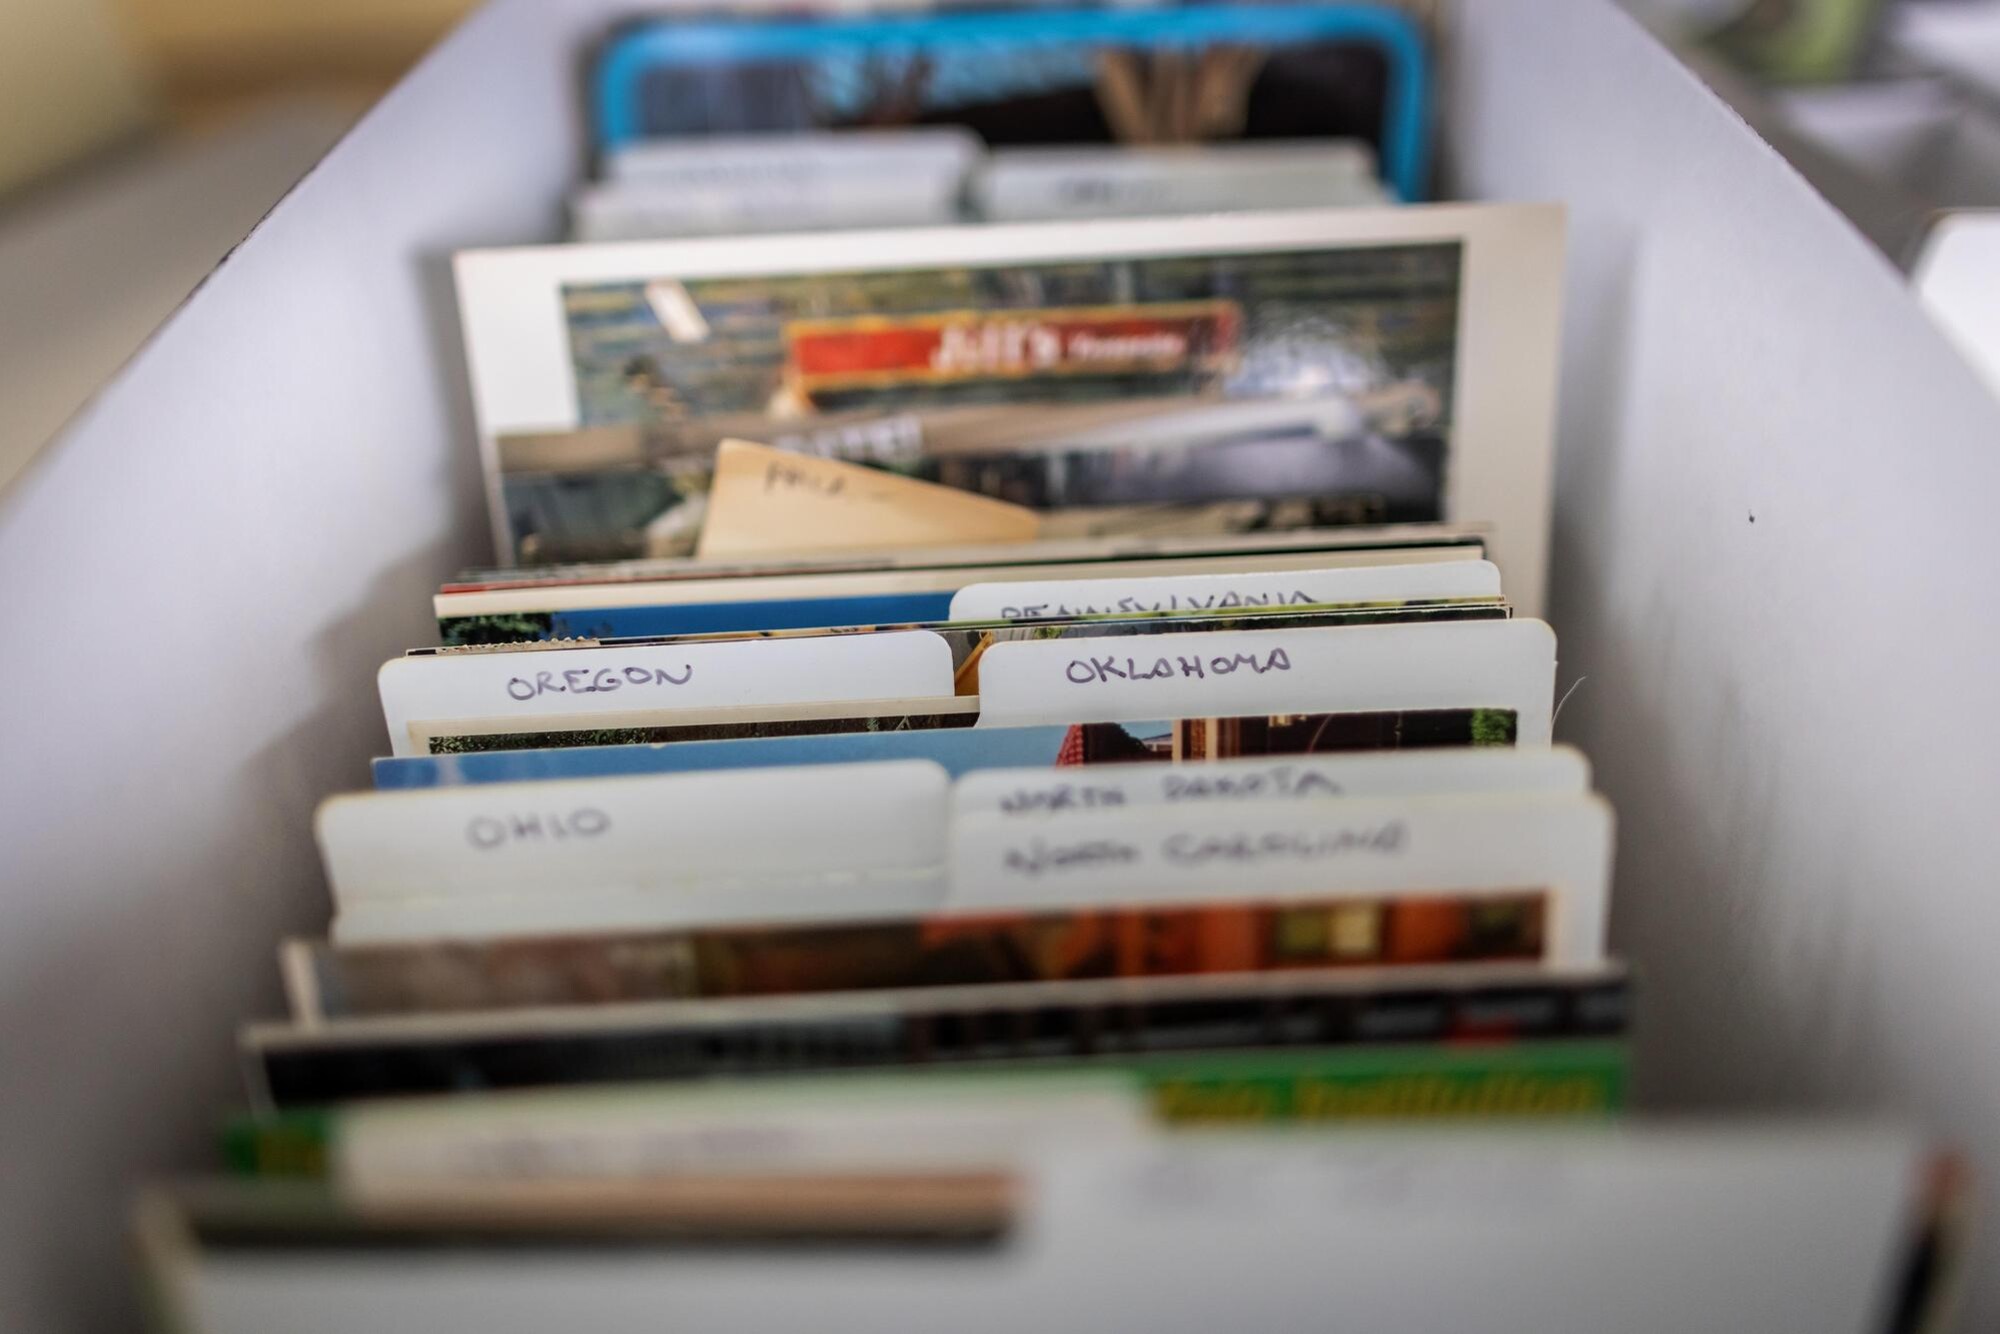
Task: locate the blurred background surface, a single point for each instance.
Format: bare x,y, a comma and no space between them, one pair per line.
141,139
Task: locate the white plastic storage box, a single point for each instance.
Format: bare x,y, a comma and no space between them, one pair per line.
1770,575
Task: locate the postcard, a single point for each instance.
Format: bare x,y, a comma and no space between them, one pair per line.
1193,1072
1422,541
944,1026
1133,180
1229,933
789,163
1041,793
750,1210
949,740
850,723
1790,1224
645,210
1387,364
870,1122
809,599
661,728
1099,77
812,181
955,1036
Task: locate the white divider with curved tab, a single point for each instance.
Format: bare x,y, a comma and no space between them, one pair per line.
628,853
1050,599
540,687
1506,665
1363,848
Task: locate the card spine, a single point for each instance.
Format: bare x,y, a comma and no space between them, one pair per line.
309,1066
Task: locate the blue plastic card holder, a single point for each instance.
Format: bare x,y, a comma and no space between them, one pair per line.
795,73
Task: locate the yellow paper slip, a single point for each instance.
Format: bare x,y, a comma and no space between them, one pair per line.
764,501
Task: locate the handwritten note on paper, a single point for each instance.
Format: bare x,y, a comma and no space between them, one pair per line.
765,501
1051,599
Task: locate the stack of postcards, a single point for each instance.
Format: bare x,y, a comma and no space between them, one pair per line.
1007,779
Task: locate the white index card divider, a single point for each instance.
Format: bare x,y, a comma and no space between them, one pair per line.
1243,673
1030,793
1364,848
402,1149
657,834
543,684
1028,600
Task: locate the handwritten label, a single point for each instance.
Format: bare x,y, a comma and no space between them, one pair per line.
1495,664
1094,668
1384,839
762,500
548,685
659,834
1283,780
1040,856
583,681
1060,797
493,831
1042,793
1193,785
784,475
879,351
1490,844
1150,594
1139,606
